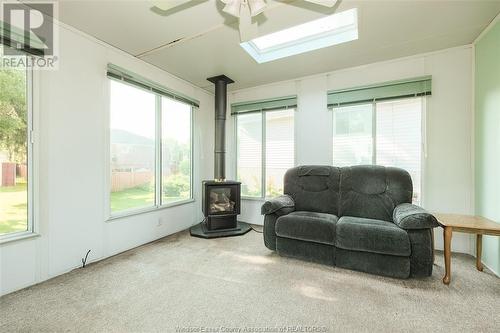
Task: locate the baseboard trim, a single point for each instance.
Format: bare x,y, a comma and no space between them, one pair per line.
491,270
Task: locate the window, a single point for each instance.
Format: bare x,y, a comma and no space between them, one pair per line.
16,150
265,150
352,135
383,133
176,150
381,124
399,138
327,31
280,149
150,148
249,157
132,138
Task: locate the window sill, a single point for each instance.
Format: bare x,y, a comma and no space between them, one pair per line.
18,236
126,214
258,198
253,198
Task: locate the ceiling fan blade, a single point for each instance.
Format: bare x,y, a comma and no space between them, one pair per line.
169,4
232,7
248,28
326,3
256,6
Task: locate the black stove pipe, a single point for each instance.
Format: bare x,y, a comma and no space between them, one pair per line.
221,82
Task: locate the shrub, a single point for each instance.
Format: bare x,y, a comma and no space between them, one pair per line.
176,185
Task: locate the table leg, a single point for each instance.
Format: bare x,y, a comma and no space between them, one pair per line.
479,249
447,254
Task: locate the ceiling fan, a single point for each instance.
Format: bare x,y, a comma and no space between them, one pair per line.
234,7
244,10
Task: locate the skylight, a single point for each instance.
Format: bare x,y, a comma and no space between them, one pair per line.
331,30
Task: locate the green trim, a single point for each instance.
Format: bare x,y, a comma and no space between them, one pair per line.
264,105
14,37
420,86
120,74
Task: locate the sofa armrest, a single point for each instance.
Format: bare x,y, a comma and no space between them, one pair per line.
281,205
408,216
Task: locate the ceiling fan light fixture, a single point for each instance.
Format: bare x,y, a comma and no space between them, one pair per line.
256,6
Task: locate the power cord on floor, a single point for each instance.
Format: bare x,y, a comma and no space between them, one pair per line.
84,260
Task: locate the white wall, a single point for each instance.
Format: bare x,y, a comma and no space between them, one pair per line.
448,176
72,111
71,105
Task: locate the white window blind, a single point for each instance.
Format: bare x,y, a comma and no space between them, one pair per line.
352,135
399,138
265,149
249,159
384,133
279,149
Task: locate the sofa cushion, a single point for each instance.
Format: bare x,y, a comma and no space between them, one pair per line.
374,263
314,188
375,236
310,251
373,192
307,226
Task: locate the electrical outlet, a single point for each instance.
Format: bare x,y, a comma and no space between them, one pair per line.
160,222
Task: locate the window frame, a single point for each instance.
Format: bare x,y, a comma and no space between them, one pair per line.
158,197
423,134
263,113
32,151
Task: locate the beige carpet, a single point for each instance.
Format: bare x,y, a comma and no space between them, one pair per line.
185,284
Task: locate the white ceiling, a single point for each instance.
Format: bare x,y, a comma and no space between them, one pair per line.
208,39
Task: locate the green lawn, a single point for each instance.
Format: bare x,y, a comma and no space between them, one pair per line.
136,197
13,208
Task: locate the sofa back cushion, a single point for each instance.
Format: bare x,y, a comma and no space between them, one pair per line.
314,188
373,192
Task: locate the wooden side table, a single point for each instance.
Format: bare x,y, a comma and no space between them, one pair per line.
465,223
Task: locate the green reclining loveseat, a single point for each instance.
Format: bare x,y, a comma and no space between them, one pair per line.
359,217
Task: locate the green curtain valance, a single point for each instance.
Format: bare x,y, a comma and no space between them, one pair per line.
21,40
420,86
264,105
120,74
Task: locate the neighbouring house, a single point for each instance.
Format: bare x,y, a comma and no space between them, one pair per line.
132,160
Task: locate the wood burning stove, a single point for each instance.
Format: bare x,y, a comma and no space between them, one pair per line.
221,198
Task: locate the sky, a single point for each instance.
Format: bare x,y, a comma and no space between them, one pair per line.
133,110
